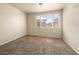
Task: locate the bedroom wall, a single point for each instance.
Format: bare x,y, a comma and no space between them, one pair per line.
71,25
45,32
12,23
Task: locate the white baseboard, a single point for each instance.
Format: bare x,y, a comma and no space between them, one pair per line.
5,42
72,46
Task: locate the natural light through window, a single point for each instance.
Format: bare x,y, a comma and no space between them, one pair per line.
47,20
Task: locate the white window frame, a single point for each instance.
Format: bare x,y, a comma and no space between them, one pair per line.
59,25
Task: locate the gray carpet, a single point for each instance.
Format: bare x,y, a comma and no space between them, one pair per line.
31,45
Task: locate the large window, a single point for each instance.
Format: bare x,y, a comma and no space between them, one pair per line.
48,20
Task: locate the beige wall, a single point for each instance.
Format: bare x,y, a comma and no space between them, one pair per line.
12,23
46,32
71,26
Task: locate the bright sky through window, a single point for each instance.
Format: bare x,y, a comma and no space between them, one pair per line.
47,20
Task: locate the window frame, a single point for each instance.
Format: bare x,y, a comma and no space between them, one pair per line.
52,23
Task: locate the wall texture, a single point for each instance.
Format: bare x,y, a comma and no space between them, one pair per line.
12,23
46,32
71,25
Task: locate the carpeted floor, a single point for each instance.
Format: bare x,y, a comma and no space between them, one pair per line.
31,45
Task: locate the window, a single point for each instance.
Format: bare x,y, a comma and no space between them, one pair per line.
47,20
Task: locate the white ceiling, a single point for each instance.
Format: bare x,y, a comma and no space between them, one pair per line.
34,7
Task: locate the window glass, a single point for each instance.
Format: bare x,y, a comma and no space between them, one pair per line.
47,20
